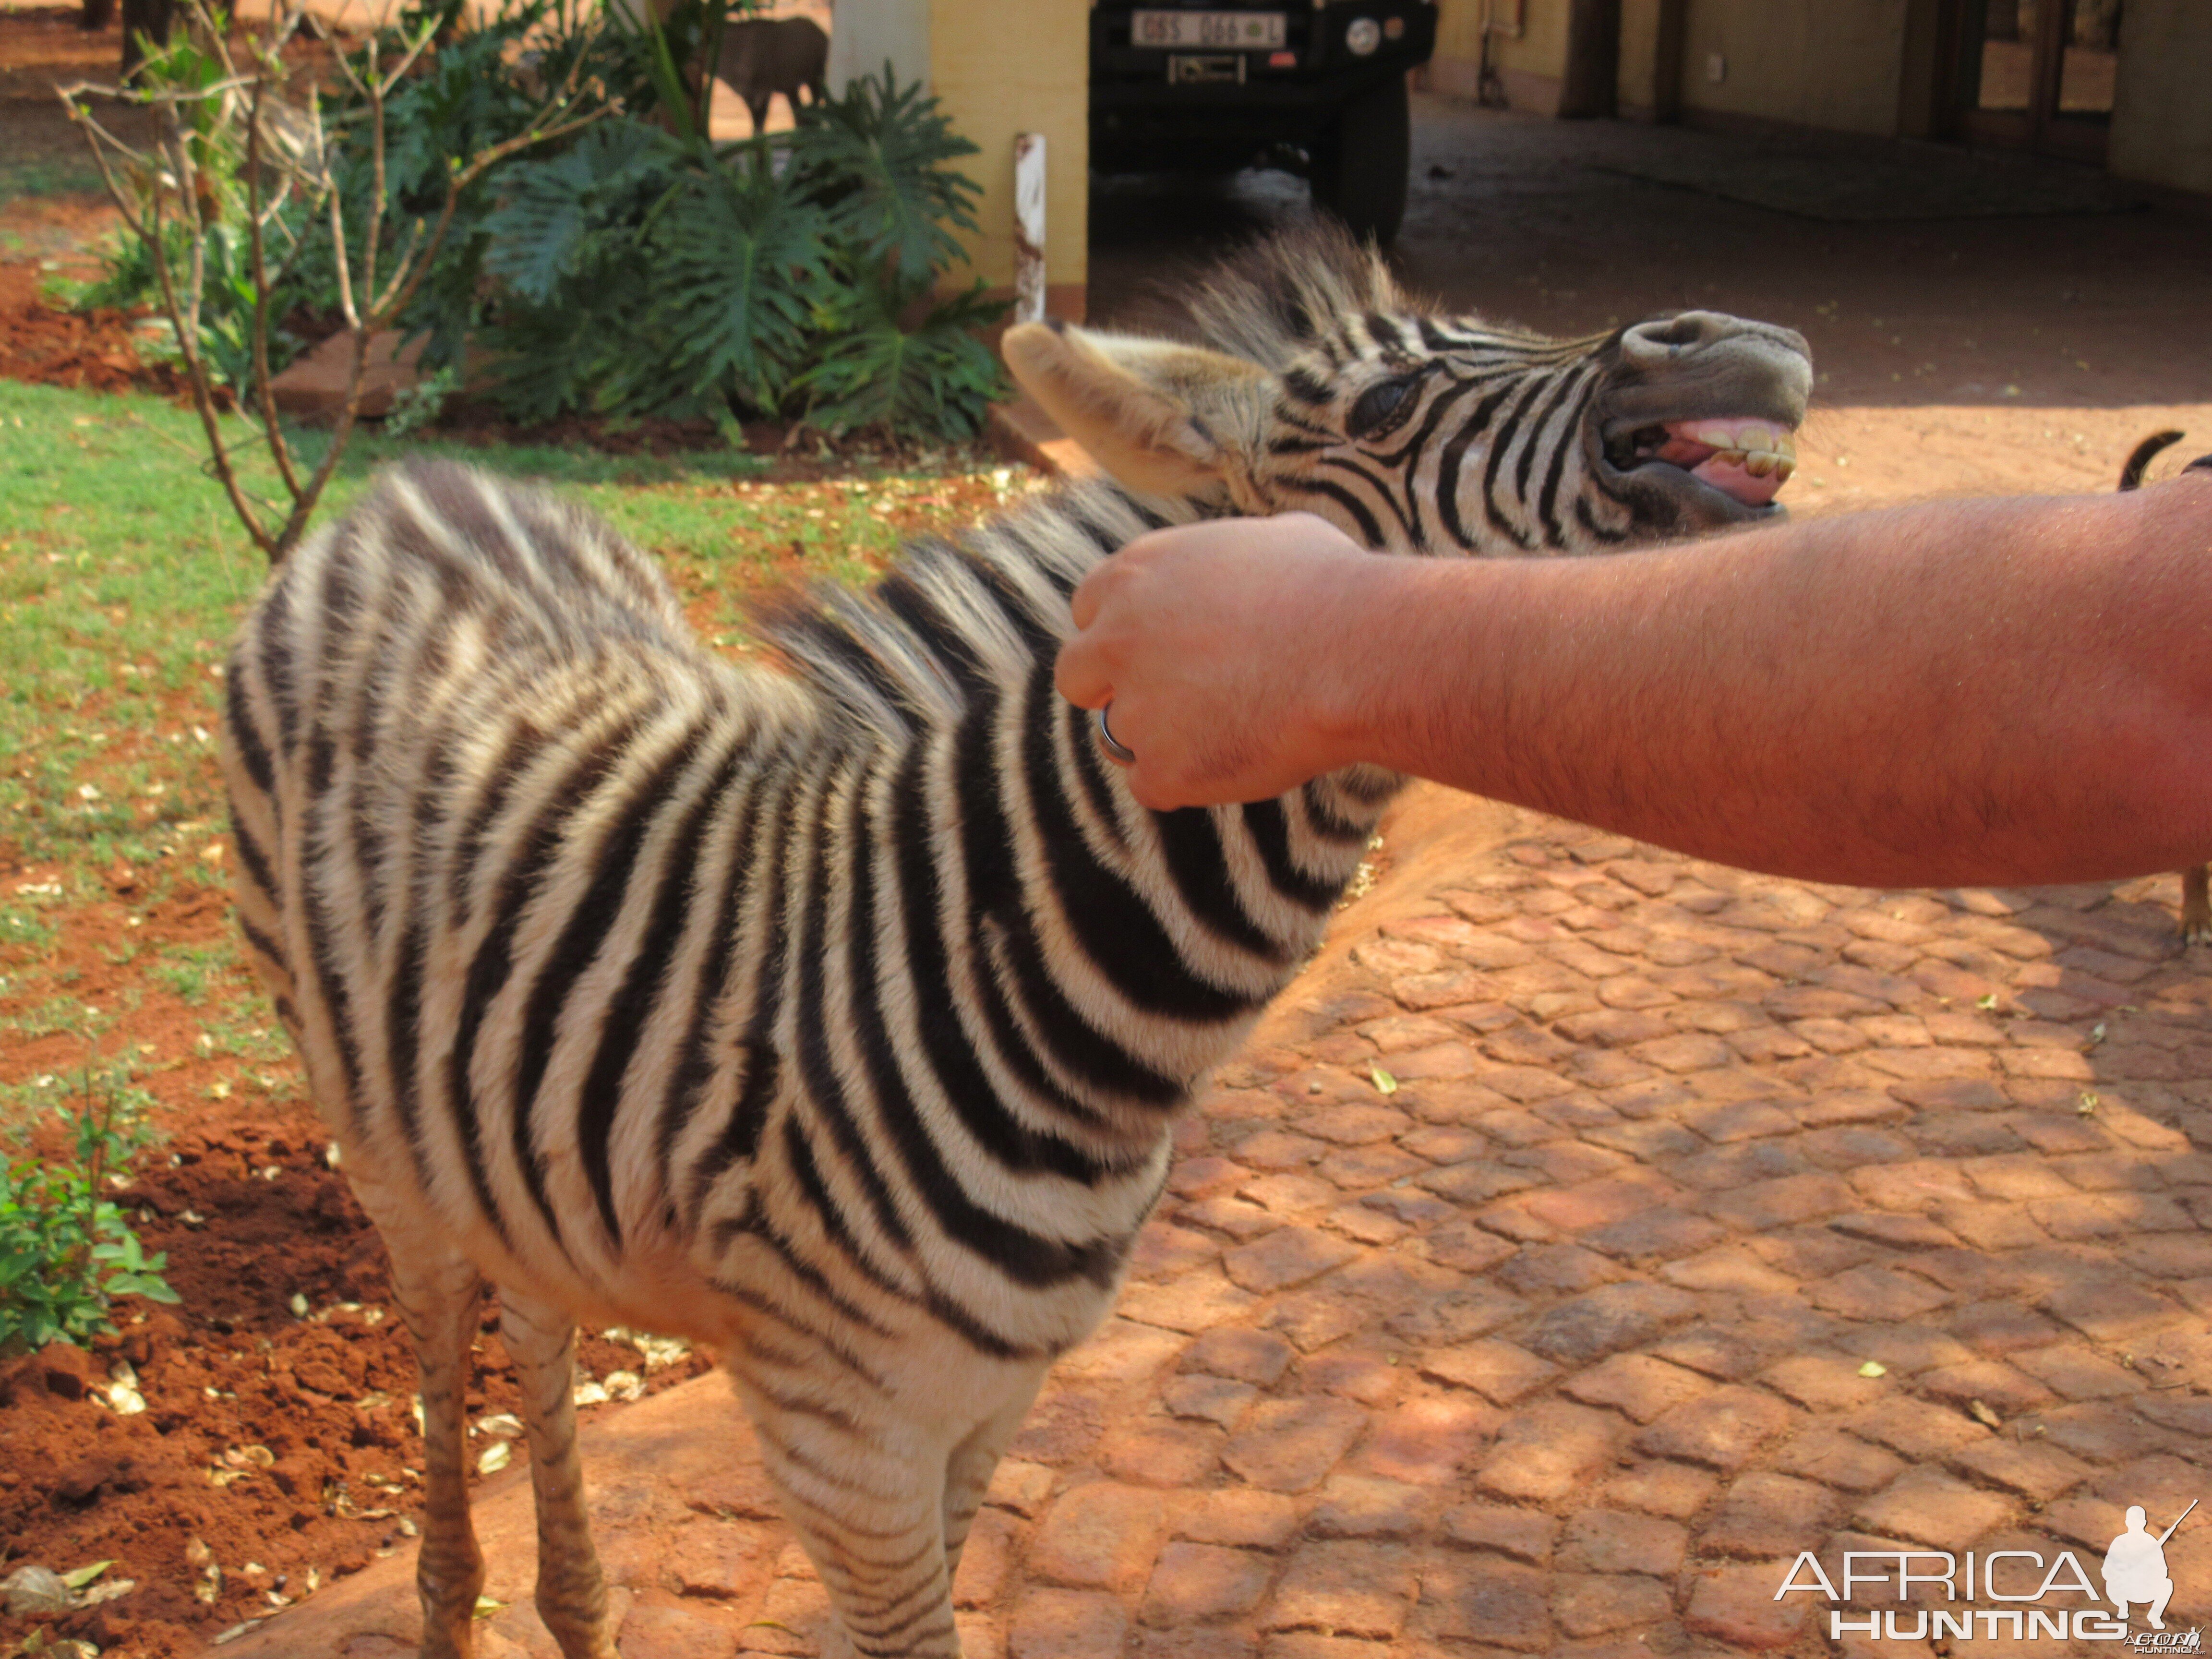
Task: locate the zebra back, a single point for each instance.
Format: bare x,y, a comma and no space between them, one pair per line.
614,956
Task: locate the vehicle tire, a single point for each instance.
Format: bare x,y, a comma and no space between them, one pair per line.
1361,174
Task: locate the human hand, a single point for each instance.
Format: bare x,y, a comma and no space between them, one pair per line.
1225,649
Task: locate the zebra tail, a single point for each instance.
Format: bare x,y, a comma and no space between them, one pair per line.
2131,475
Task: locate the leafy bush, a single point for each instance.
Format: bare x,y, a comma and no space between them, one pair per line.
66,1252
641,271
210,221
636,268
227,299
484,84
242,203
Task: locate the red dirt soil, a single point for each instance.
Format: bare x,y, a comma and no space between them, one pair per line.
267,1438
96,352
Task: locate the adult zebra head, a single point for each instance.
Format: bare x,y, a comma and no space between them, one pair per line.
1315,385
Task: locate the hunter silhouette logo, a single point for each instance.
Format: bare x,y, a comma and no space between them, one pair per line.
2032,1595
2134,1567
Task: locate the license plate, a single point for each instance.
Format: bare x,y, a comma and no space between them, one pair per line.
1241,31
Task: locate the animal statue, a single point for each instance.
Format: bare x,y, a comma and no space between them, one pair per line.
835,1015
2195,927
761,56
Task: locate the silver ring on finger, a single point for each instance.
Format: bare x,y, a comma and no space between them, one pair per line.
1116,750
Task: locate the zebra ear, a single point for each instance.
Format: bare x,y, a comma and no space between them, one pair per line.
1166,419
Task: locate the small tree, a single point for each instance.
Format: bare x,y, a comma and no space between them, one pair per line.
242,183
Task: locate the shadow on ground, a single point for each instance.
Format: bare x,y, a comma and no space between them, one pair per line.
1566,226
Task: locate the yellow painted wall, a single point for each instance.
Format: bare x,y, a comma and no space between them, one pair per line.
1639,55
2161,117
1455,66
999,71
1841,64
1459,28
1531,66
1838,66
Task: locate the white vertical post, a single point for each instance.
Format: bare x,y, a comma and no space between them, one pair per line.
1028,228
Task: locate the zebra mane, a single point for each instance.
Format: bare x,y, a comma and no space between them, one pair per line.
911,653
1271,304
958,619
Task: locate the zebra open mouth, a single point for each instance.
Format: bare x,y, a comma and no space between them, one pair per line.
1685,476
1695,430
1747,460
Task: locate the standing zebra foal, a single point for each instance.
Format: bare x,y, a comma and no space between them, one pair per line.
835,1018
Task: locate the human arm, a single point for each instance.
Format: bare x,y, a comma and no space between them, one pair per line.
1955,692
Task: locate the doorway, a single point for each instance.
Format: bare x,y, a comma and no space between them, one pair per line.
2037,74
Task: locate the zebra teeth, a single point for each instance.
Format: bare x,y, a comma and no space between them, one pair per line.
1750,478
1744,436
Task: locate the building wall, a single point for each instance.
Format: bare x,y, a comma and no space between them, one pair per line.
867,33
1834,66
994,80
1849,65
2161,116
1639,56
1455,68
1002,70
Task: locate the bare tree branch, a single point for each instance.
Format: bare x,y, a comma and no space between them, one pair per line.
195,374
179,187
273,431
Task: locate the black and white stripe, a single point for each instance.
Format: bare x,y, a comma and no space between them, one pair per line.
1485,446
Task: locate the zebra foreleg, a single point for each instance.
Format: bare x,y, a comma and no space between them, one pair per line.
572,1592
438,1291
967,1471
867,1502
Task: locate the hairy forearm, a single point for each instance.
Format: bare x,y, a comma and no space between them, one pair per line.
1958,691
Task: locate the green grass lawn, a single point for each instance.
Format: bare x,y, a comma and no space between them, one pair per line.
65,174
122,576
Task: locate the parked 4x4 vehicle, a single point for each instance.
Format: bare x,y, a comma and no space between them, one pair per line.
1316,85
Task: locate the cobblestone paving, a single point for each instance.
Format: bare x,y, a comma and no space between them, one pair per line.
1574,1250
1520,1292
